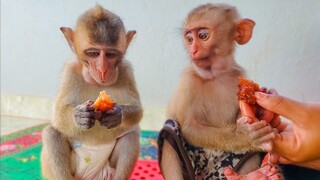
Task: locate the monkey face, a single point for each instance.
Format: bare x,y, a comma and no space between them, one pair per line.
102,64
100,60
199,45
196,41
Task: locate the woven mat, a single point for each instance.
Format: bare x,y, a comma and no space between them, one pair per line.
20,154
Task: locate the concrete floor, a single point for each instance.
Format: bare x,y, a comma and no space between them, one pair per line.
10,124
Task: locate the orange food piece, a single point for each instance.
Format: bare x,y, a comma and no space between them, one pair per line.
103,102
246,90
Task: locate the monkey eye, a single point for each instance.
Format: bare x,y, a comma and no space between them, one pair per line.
203,34
93,52
188,37
111,54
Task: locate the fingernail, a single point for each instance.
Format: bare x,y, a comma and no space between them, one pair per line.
260,95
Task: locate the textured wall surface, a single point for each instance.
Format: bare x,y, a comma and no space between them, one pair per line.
283,53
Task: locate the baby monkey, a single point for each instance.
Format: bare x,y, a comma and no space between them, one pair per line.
205,132
75,145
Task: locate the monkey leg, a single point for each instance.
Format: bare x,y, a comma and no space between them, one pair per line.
173,159
55,155
125,154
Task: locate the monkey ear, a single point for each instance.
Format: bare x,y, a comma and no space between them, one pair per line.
68,34
244,30
129,36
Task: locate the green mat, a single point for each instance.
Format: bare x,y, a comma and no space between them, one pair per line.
20,153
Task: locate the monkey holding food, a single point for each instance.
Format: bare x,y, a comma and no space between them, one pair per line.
83,142
204,132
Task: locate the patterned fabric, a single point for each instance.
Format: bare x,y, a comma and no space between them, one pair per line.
207,163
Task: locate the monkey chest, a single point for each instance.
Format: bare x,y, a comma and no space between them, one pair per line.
213,109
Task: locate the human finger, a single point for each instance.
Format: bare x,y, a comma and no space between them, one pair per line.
246,110
280,105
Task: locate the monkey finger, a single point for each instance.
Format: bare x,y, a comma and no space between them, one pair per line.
109,123
109,112
84,108
85,123
245,120
265,141
88,103
257,125
81,114
263,135
262,132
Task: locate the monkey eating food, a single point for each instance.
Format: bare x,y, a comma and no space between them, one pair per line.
84,141
204,132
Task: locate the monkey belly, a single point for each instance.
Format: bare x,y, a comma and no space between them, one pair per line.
91,162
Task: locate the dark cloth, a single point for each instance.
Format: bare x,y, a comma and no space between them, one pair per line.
292,172
197,161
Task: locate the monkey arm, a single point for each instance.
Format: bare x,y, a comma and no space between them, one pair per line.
131,114
235,137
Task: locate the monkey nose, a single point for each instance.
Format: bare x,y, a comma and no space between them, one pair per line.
102,74
194,52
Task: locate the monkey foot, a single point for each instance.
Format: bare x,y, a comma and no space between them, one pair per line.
266,172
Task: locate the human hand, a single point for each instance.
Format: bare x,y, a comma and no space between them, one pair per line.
298,142
111,118
84,115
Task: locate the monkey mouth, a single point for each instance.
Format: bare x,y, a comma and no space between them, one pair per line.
201,62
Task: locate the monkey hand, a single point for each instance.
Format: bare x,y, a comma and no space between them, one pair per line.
84,115
260,133
111,118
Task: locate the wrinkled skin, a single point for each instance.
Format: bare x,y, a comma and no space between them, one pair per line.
85,116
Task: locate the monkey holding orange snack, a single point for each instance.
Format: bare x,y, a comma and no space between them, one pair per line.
103,102
104,107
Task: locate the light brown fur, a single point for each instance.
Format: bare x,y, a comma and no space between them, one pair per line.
205,103
78,86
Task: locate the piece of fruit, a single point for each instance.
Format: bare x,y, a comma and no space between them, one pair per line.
246,90
103,102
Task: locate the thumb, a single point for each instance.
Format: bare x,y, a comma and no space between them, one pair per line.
281,105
